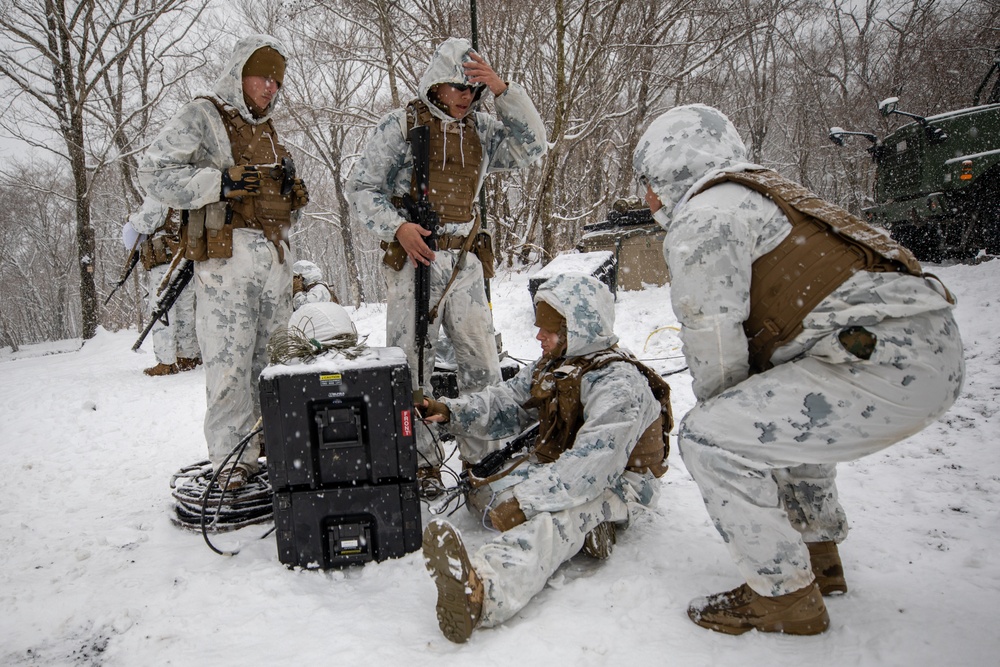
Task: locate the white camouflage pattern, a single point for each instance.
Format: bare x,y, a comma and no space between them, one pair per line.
243,299
587,484
763,448
510,141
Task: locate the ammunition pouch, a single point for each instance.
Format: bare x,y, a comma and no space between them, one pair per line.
482,247
206,235
395,256
157,251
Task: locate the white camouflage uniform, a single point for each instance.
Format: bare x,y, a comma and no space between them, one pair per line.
588,483
512,140
763,448
243,299
178,338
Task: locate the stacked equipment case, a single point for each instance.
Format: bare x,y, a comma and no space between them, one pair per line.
341,457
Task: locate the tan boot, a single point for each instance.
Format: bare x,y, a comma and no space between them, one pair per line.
600,541
160,369
826,567
187,364
234,477
742,609
460,591
429,484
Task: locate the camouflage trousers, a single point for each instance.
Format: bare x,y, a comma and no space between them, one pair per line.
177,339
465,316
241,301
515,565
764,452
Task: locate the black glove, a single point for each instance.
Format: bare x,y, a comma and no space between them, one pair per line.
300,196
240,181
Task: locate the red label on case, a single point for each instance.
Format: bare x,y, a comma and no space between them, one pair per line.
407,424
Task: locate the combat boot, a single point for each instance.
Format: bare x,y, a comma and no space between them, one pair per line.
187,363
460,590
743,609
600,541
429,484
160,369
826,567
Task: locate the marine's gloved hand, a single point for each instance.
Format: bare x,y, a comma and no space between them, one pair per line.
432,408
297,285
300,195
507,514
240,181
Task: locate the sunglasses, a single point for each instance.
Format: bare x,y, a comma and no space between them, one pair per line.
462,87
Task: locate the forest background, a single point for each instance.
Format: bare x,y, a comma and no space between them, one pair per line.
86,85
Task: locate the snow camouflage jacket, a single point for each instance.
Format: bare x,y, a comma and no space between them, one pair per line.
183,166
513,140
618,406
714,237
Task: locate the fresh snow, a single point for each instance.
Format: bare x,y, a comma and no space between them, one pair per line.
92,572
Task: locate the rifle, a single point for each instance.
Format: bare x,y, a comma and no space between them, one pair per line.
422,213
130,262
491,464
167,299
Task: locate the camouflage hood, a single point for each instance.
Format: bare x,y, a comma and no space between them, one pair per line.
229,86
684,147
310,273
588,307
446,67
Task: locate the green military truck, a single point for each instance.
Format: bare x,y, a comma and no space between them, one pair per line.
937,179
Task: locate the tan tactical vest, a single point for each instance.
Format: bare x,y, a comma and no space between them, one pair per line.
827,245
270,211
555,393
455,157
161,248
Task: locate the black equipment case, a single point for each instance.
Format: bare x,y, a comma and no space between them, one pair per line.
341,459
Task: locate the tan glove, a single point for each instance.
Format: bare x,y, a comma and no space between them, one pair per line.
507,514
240,181
300,195
432,408
297,285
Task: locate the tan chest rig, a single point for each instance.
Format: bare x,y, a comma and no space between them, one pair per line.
555,393
161,248
455,157
269,211
827,245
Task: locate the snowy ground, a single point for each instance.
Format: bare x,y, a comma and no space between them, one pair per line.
92,572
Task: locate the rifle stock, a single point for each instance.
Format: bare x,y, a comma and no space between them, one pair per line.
166,300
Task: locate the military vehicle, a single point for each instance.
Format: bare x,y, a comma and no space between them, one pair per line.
937,179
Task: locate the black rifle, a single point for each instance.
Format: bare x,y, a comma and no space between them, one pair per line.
130,262
167,299
494,461
422,213
491,464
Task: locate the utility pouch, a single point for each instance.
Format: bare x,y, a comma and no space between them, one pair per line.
155,252
482,248
395,256
193,235
218,234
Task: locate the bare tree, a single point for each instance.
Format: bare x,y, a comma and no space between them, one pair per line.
62,53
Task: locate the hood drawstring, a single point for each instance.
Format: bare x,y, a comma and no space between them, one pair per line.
461,139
